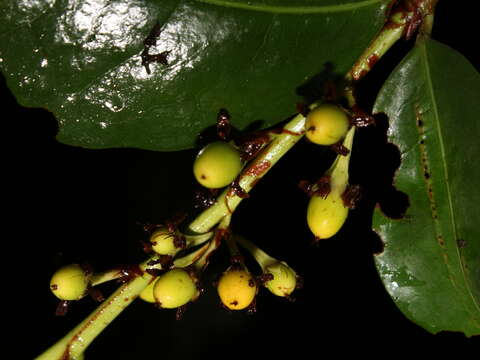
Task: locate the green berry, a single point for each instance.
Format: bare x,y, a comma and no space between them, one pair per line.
326,216
147,293
327,124
174,288
284,279
69,282
217,165
236,288
162,242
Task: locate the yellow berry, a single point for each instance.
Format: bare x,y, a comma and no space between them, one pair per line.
217,165
162,242
326,216
174,288
327,124
69,282
237,289
147,293
284,279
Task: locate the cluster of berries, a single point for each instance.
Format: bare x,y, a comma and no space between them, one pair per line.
217,165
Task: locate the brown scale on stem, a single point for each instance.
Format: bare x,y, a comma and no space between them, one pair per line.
223,125
340,149
171,224
352,195
235,190
95,294
180,312
258,168
262,279
413,22
360,118
250,145
129,272
62,308
165,260
154,272
320,188
204,198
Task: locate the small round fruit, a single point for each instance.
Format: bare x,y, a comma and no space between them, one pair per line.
326,216
69,282
174,288
162,242
327,124
284,279
217,165
237,289
147,293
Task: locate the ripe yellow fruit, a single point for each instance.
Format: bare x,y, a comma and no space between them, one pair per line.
217,165
236,288
284,279
327,124
162,242
174,288
326,216
69,282
147,293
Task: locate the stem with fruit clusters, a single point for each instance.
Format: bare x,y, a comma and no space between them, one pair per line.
403,21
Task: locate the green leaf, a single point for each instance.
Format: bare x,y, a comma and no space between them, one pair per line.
431,262
81,60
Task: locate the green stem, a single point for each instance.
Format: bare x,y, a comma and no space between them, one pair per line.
105,276
260,256
394,29
72,345
75,342
338,172
213,245
428,10
227,202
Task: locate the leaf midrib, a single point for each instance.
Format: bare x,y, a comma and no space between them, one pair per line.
431,94
292,9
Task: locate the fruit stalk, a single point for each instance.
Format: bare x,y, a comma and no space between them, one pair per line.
74,343
280,145
403,21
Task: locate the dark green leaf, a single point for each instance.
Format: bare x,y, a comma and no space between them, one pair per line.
81,60
431,262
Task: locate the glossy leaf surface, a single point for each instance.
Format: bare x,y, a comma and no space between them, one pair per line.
81,59
431,261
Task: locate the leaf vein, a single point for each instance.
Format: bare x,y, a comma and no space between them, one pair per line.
431,93
292,9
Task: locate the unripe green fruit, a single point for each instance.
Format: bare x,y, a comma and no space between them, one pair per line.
174,288
237,289
217,165
284,279
147,293
69,282
327,124
326,216
162,242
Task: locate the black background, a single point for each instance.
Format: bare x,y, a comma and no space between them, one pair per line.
65,204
